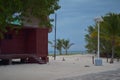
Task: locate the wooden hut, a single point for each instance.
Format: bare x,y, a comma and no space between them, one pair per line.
29,44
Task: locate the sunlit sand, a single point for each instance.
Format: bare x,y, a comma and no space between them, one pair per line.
62,67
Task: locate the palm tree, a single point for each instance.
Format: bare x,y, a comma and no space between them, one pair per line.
91,39
67,45
59,45
109,36
111,29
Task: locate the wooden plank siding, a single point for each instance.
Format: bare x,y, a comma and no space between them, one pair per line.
30,41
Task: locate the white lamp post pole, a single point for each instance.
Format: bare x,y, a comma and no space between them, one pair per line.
98,61
98,54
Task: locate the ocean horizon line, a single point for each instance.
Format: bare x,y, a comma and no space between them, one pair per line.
69,52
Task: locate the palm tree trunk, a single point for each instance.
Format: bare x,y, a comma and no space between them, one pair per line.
113,46
66,51
107,56
60,52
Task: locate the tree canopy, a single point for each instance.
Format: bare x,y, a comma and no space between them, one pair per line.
39,9
67,45
62,44
109,36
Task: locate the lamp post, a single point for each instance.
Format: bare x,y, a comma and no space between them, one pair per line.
55,37
98,61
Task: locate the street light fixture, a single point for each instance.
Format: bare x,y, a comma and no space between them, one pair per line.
98,61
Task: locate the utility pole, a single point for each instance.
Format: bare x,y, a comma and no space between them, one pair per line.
55,37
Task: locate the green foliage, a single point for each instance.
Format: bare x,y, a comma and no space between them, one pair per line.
59,45
62,44
111,24
7,9
39,9
67,45
109,35
111,27
91,39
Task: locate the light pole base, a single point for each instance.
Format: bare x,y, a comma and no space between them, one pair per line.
98,62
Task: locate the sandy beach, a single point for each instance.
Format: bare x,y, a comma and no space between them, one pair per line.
72,66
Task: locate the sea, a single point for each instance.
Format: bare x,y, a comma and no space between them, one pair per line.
69,52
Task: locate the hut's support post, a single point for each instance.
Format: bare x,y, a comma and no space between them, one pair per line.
10,61
93,59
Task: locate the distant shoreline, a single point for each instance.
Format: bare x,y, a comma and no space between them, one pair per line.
69,52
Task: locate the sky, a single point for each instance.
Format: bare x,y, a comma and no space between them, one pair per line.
74,17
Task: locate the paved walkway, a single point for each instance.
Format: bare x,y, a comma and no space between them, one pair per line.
109,75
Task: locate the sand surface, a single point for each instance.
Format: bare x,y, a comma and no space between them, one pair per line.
74,65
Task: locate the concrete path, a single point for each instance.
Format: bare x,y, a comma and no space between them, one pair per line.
109,75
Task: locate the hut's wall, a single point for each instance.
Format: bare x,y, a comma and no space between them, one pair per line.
13,43
26,41
42,42
30,41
